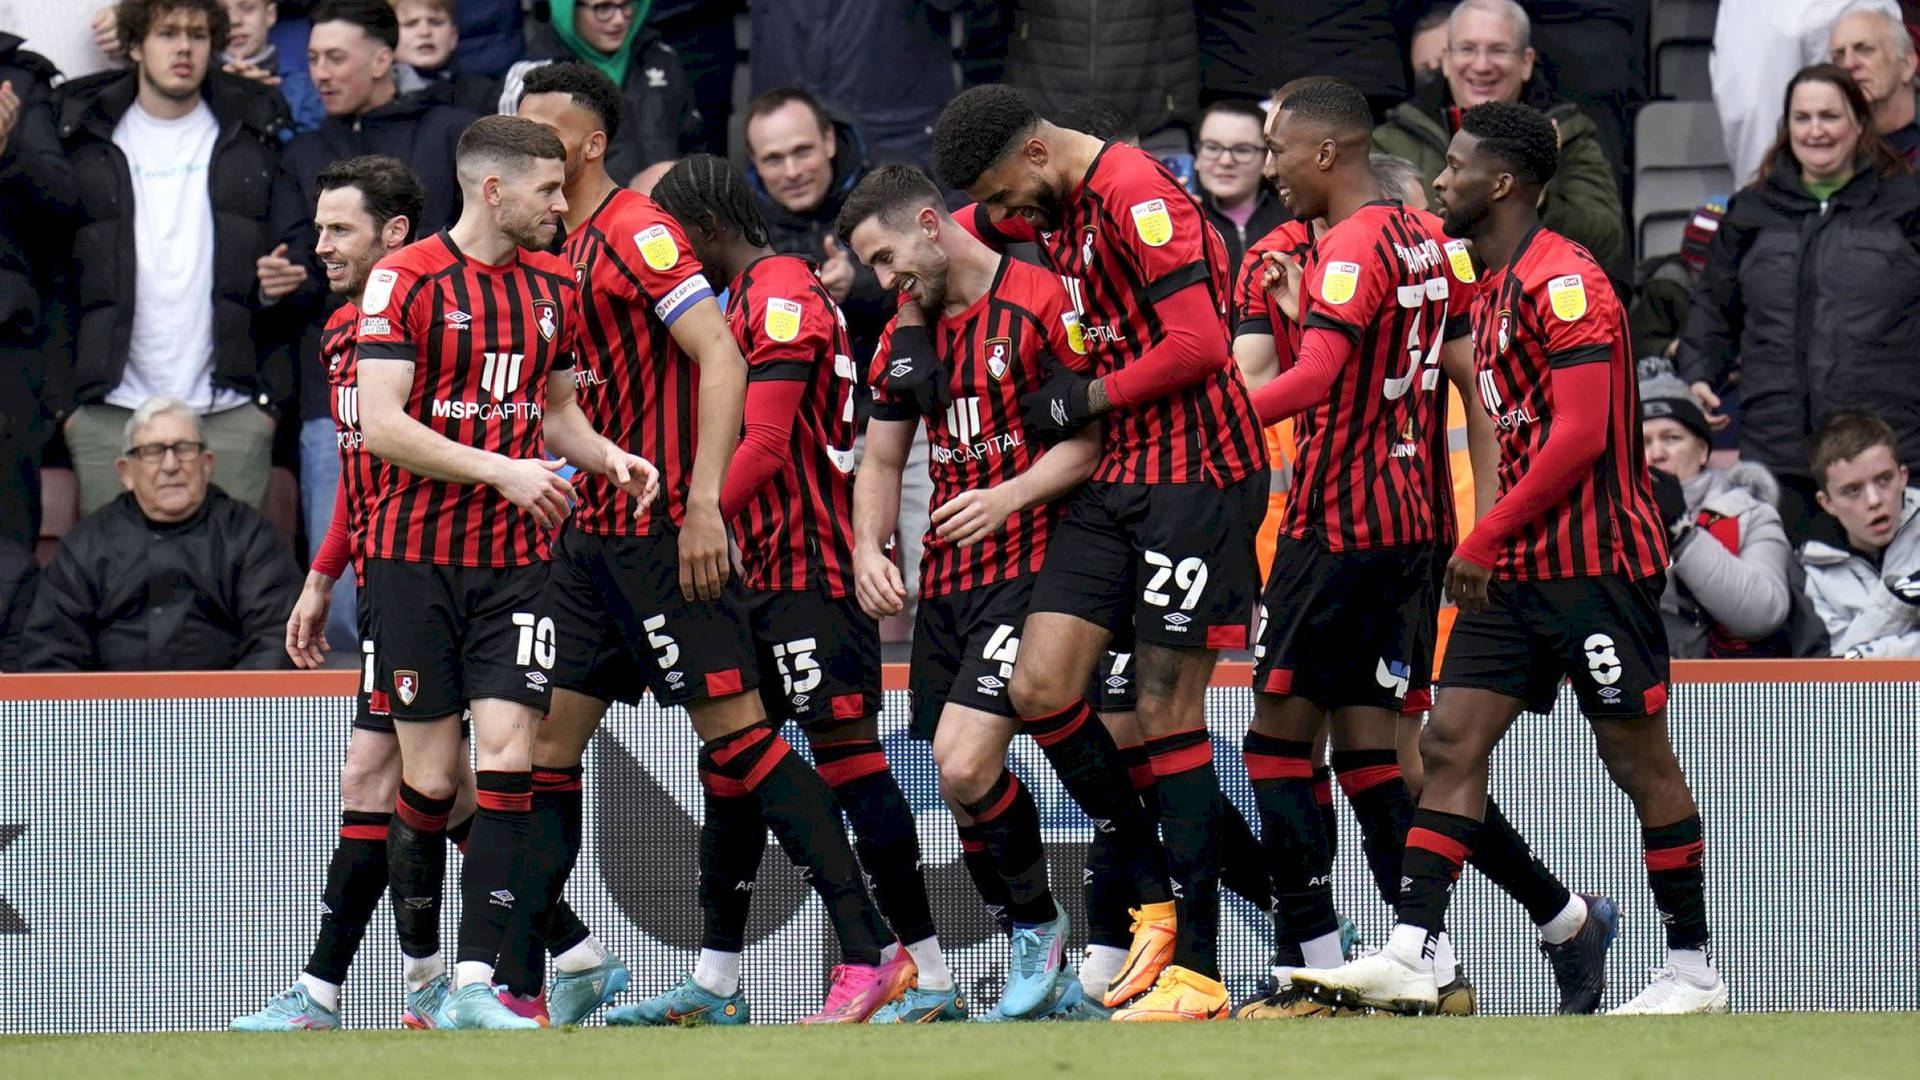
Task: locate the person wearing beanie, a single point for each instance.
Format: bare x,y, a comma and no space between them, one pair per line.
1663,285
1727,589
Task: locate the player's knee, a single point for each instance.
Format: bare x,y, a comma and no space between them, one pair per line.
431,782
1442,754
1038,692
966,778
369,786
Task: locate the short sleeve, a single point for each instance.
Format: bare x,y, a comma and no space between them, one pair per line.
1577,315
1162,233
1252,307
788,329
885,405
1345,283
1463,287
393,313
655,254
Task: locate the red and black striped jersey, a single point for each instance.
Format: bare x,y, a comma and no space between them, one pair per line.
1381,278
637,274
994,351
1464,289
797,531
1253,311
482,341
1132,236
1552,306
357,467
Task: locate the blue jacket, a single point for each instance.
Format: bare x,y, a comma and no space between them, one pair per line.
289,42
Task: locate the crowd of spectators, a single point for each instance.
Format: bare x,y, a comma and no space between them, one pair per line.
158,157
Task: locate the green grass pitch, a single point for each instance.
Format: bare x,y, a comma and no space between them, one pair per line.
1800,1044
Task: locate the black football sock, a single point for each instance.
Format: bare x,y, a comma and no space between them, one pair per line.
733,837
560,928
1190,821
1500,853
523,955
1292,836
356,876
986,875
883,832
1009,822
1088,763
457,832
1676,869
494,880
1382,805
417,868
1109,893
1437,845
1329,817
800,810
1243,868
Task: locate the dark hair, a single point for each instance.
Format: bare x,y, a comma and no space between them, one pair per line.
386,186
1235,107
134,18
779,97
588,88
1437,15
889,192
1098,117
977,129
507,140
1336,104
1873,146
706,194
1521,136
1846,435
376,17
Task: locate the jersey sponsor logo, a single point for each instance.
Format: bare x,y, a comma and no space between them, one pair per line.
500,372
379,290
585,378
998,351
1461,260
1339,281
406,686
1406,447
346,406
1152,222
1076,335
657,247
374,325
1104,334
783,319
547,317
1568,295
443,409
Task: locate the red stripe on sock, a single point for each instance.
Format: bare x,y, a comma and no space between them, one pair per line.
1684,857
1142,776
849,706
1275,767
723,787
1323,792
1656,699
775,753
551,781
724,683
1227,637
509,802
363,832
1048,736
1185,759
1355,781
848,769
1279,681
1446,847
1000,805
419,820
972,846
740,744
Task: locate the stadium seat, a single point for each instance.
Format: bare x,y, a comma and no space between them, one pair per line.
1679,41
59,509
1680,161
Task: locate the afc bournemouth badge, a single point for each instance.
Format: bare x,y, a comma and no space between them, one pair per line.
998,351
1505,336
406,686
547,317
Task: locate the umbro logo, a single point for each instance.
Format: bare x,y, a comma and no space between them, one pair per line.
536,680
1102,825
457,319
1116,682
899,370
1610,693
990,684
501,898
800,700
1059,411
1179,618
419,903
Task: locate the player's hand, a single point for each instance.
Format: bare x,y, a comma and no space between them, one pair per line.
536,486
913,372
1709,403
972,516
307,627
278,274
703,553
877,584
106,31
250,71
9,113
1281,281
1467,584
636,476
836,270
1059,407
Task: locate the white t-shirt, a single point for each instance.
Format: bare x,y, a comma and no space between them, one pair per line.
171,353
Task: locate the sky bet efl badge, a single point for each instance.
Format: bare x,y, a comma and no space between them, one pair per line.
1460,260
783,319
1150,220
657,247
1338,283
1076,335
1568,296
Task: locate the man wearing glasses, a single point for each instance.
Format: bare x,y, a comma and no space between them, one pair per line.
1226,163
173,574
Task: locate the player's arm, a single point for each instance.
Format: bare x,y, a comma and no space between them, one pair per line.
1258,357
978,221
307,625
972,516
778,376
1483,443
570,434
876,512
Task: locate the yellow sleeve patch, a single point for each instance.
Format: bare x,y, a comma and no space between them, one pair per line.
1152,222
1460,260
1568,297
783,319
657,247
1076,335
1339,281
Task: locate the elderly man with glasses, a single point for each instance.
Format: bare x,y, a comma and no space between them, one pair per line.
173,574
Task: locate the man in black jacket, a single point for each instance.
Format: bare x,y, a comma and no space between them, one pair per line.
173,167
36,187
172,575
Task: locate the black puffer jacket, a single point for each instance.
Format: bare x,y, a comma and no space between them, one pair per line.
240,181
1815,307
1250,47
210,593
1268,214
1141,55
36,188
660,119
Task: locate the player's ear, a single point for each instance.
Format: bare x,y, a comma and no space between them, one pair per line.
929,220
490,190
394,232
1035,149
596,147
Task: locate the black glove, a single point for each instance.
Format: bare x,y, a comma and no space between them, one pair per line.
1906,588
1672,500
914,372
1059,407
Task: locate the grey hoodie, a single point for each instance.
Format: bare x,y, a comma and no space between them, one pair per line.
1855,598
1717,591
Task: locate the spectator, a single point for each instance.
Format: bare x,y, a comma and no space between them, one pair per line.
36,188
1227,159
1099,118
492,36
173,167
1872,44
1663,286
1592,54
172,575
1489,59
1427,46
1727,593
77,36
1809,289
804,163
700,32
352,52
659,120
19,579
251,52
888,67
1248,47
1863,562
1757,46
424,56
1142,55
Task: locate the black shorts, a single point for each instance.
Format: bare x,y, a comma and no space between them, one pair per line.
1423,638
821,656
1111,688
625,628
1602,633
1167,564
451,635
1334,625
964,648
371,712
